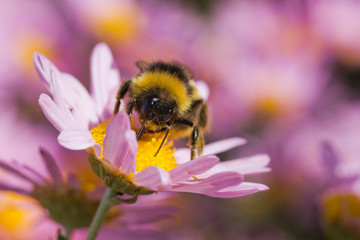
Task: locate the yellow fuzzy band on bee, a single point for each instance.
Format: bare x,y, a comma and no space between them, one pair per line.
166,81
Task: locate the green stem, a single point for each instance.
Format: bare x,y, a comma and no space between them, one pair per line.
68,233
100,214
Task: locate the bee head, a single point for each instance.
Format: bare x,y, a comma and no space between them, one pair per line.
156,110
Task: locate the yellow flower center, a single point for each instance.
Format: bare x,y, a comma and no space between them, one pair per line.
16,218
98,134
146,150
119,24
27,44
269,106
338,206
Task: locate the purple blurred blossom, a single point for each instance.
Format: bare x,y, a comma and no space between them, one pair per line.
336,23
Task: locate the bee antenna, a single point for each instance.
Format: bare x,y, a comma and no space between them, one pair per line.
162,143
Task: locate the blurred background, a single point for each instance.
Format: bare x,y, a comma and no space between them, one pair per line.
283,74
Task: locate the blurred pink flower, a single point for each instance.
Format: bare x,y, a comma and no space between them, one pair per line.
340,201
57,195
266,62
338,125
338,27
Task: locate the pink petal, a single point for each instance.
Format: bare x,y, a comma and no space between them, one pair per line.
245,166
42,67
223,145
211,184
129,163
6,187
51,166
79,99
78,139
245,188
18,171
74,182
105,78
194,167
53,113
182,154
153,178
60,94
120,143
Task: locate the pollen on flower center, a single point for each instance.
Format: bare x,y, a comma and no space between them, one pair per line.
98,134
146,150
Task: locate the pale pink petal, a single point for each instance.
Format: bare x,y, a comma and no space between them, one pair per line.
153,178
245,188
120,143
78,139
182,154
223,145
105,78
203,89
129,163
83,107
245,166
211,184
42,67
53,113
197,166
60,94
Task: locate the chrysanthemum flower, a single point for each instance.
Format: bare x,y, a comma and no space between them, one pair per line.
125,164
54,193
70,205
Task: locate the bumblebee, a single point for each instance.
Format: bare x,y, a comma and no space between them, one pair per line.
165,96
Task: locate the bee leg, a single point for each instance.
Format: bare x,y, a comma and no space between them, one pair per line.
140,132
202,123
193,141
120,95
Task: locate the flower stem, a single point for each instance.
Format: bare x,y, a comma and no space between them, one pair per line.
100,214
68,233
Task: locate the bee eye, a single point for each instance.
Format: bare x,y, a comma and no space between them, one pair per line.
153,100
